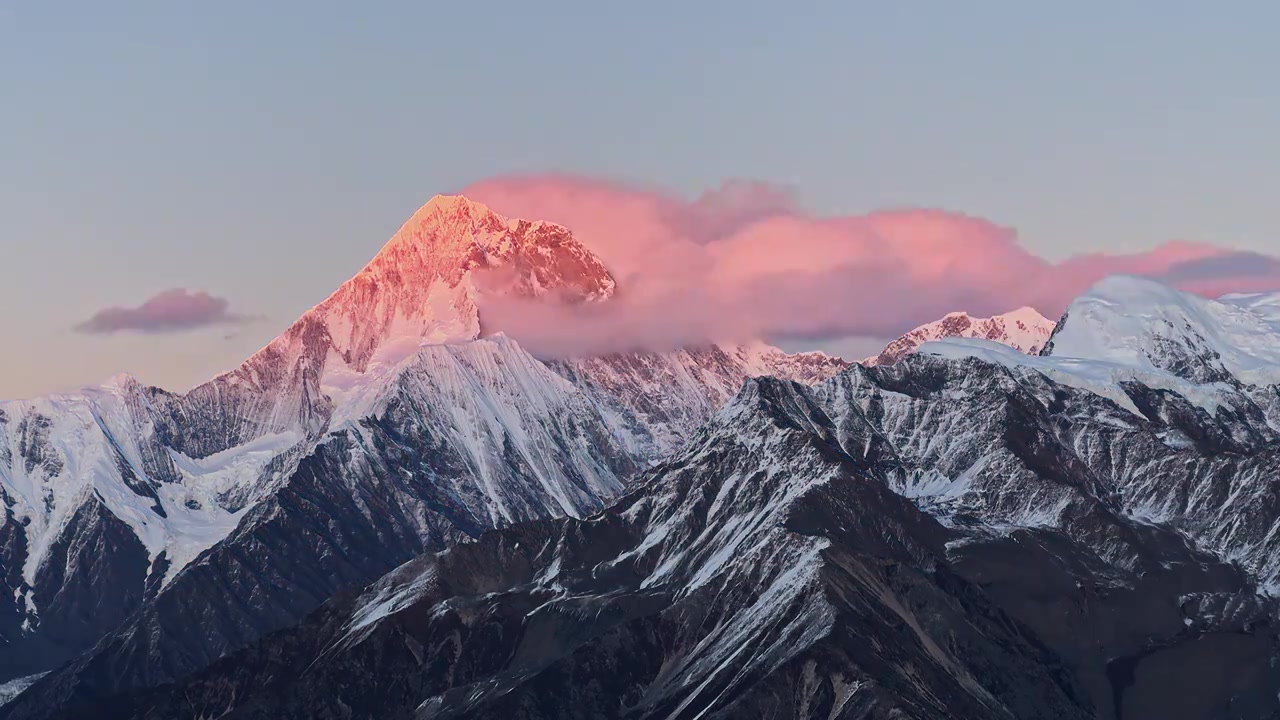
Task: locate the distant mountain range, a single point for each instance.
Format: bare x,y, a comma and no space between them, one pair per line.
1024,330
394,510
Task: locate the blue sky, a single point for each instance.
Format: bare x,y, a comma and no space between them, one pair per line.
263,151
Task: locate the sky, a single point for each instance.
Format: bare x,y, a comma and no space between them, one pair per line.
239,160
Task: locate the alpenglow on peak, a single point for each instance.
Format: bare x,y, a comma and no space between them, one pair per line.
1024,329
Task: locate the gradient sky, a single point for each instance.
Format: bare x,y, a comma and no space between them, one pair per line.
262,152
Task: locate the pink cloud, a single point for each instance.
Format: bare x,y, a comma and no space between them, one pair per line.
745,261
171,311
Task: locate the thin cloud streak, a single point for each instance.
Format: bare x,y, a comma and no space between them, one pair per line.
171,311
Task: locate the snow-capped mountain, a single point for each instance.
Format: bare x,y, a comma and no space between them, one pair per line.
1184,396
762,571
125,496
421,288
1085,514
1024,330
470,436
971,532
142,481
1140,323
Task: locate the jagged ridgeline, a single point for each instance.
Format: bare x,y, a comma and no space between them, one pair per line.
1076,526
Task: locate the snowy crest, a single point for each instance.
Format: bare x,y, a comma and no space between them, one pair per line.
1024,330
1143,324
423,287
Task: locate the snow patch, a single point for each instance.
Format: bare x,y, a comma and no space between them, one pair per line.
1100,377
12,689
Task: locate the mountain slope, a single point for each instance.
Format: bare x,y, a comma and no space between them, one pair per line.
112,495
517,443
1024,330
107,494
1142,324
1169,418
421,288
1116,528
655,401
97,511
468,437
761,571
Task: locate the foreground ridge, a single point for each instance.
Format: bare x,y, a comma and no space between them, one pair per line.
756,571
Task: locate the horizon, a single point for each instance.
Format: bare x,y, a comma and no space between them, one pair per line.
852,349
247,160
837,349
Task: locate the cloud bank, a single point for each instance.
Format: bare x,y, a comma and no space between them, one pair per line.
171,311
744,261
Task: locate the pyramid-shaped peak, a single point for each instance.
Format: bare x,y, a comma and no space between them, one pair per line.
122,380
452,234
453,225
449,215
452,207
1027,315
426,284
1024,311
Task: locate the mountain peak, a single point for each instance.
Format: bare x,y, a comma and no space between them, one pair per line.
452,235
1138,322
1128,288
427,279
448,215
445,204
120,381
424,287
1024,329
1026,313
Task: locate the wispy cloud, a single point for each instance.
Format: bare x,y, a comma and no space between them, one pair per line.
1230,265
171,311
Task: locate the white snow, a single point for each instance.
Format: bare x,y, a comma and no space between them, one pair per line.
1130,329
89,435
236,466
1024,330
1131,322
12,689
654,401
387,599
1096,376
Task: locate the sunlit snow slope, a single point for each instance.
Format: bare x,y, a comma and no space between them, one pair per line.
1024,330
